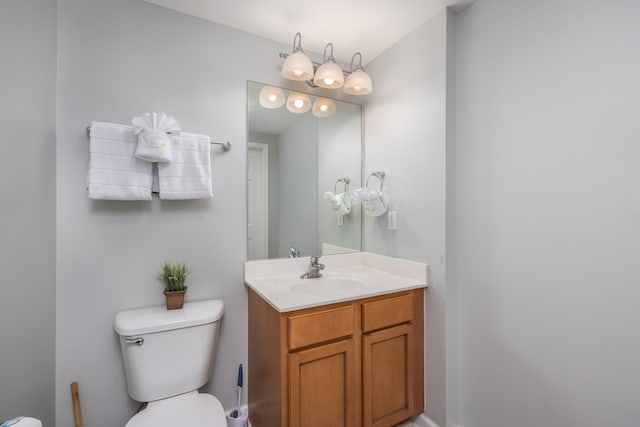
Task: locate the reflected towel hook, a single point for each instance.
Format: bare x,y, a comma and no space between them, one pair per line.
345,181
379,175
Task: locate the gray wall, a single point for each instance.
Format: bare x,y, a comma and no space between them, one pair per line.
340,155
548,229
298,186
27,228
119,59
406,134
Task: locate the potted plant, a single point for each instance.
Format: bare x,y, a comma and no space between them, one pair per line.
173,276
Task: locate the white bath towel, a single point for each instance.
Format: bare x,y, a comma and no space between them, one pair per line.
153,141
114,171
188,176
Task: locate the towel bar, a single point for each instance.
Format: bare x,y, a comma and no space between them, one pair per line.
226,146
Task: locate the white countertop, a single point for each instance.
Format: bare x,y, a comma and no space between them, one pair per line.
346,277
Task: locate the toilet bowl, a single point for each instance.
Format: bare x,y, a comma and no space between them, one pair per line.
192,409
168,355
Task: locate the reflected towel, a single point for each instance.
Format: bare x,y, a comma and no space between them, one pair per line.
341,203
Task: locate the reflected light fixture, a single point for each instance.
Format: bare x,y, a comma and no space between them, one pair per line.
329,75
358,82
298,102
324,107
297,66
271,97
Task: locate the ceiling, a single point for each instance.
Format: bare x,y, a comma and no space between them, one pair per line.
366,26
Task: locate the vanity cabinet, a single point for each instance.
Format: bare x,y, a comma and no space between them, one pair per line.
351,364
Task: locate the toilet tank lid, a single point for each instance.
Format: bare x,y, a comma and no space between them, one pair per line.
158,319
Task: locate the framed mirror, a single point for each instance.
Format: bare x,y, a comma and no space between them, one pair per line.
304,157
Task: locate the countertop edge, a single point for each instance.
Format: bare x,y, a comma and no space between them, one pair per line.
376,293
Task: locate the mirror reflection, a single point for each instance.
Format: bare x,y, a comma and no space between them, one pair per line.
304,156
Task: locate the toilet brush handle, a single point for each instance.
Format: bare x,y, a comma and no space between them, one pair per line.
75,397
239,387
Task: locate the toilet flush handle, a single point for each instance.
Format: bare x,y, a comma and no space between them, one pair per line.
134,340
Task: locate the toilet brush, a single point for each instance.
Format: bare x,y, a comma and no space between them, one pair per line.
236,412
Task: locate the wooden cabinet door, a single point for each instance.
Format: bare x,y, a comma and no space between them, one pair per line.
322,386
387,376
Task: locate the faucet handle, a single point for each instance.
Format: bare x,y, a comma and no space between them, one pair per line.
315,263
314,268
293,252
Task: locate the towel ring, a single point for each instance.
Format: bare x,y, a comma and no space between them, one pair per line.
379,175
344,181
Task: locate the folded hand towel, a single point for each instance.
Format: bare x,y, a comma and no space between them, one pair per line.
188,176
153,141
340,202
114,173
374,202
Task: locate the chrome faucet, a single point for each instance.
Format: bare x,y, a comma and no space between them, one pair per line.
314,268
293,252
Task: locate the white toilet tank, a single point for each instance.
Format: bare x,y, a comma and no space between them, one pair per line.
168,352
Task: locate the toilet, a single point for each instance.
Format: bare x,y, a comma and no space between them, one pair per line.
168,355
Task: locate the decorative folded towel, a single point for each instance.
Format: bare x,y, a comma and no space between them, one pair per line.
374,202
188,176
153,141
114,172
340,202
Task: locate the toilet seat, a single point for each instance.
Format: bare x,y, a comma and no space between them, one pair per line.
191,409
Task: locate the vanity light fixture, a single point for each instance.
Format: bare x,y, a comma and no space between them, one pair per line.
324,107
271,97
298,102
358,82
329,75
297,66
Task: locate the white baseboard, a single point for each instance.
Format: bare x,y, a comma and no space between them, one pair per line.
418,421
423,421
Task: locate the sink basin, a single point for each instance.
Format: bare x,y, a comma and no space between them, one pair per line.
327,285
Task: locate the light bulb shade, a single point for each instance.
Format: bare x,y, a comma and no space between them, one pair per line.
271,97
324,107
329,75
298,103
298,67
358,83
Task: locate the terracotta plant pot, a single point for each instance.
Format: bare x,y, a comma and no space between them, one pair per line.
175,299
